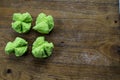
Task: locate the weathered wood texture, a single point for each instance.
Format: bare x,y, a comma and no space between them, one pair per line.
86,38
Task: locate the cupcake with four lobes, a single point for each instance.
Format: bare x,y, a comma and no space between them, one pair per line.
22,22
19,46
44,23
42,48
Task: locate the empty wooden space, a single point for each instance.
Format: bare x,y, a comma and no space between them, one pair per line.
86,38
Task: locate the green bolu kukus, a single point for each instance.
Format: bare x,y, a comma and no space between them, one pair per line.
44,23
22,22
41,48
18,46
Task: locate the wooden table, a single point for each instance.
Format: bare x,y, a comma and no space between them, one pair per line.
86,38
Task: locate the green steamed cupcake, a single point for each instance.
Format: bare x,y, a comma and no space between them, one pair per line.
44,24
18,46
41,48
22,22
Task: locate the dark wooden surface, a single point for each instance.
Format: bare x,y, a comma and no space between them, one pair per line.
86,38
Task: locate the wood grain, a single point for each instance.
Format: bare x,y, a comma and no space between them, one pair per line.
86,38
